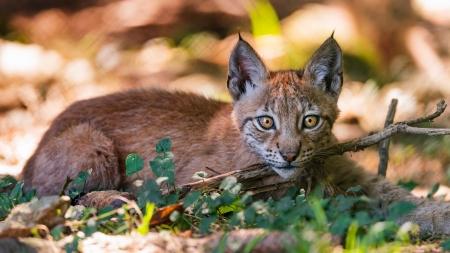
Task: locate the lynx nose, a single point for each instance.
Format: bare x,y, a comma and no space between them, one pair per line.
289,156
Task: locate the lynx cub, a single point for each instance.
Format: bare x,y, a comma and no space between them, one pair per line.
279,118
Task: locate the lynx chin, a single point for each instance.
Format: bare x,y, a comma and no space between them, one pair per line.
280,118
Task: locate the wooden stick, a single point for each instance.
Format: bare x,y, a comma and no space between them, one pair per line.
384,144
257,171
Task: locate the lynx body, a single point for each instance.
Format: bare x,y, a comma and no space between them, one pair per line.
278,118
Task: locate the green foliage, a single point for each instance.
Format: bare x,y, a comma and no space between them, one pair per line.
199,175
144,227
310,218
164,145
354,189
264,18
15,197
5,181
433,190
81,179
409,186
72,246
399,208
68,181
150,193
134,164
445,245
191,198
163,166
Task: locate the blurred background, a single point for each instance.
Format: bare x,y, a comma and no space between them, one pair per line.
54,52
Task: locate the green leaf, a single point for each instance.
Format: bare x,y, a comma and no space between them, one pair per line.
156,164
163,145
150,193
264,18
163,167
82,177
409,186
318,192
250,214
57,232
71,247
206,222
363,218
235,189
399,208
168,164
445,245
227,198
292,191
105,213
191,198
300,198
91,227
145,225
433,190
345,203
16,193
354,189
4,181
284,204
228,183
246,198
199,175
341,224
134,164
230,208
172,199
30,195
74,192
22,200
68,181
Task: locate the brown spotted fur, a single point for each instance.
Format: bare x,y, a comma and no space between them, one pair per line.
99,133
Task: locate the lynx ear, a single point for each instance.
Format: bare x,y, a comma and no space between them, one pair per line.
246,71
324,69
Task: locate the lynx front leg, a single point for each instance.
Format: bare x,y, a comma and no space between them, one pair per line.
79,148
430,215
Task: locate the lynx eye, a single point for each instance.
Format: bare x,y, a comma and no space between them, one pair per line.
310,121
265,122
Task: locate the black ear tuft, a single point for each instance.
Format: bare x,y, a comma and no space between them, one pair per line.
324,69
246,70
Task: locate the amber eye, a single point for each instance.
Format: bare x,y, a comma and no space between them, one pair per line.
310,121
265,122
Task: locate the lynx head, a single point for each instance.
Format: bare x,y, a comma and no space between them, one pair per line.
286,116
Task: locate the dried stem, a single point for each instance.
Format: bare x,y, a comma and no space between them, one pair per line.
384,144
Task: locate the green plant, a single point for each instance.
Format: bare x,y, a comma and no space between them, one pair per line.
311,219
81,179
8,201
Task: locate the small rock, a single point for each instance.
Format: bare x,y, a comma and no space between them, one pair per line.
48,211
75,212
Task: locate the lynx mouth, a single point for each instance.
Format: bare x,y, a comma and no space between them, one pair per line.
289,167
288,172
